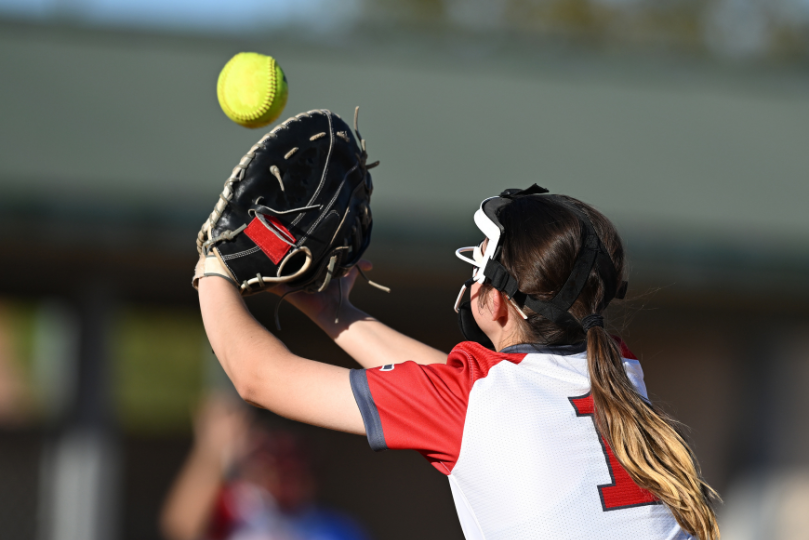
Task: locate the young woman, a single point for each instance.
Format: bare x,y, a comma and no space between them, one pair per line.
541,421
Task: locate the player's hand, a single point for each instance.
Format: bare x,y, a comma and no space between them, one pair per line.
221,428
325,303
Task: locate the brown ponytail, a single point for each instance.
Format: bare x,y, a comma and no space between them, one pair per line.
542,239
645,441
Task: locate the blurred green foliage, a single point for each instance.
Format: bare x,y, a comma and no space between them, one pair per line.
159,368
736,28
17,328
159,365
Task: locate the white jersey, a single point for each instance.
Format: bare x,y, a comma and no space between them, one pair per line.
514,433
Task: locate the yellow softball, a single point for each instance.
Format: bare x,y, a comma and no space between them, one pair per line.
252,89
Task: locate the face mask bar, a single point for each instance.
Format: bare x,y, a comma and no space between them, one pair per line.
477,259
458,301
466,319
487,266
468,283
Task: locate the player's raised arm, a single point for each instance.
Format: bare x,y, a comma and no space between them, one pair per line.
266,373
295,214
370,342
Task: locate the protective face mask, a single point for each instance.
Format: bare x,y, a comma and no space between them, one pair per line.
489,269
477,259
466,320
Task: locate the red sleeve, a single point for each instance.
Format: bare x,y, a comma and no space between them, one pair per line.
222,518
423,407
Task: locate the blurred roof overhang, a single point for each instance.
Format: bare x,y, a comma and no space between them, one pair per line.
114,149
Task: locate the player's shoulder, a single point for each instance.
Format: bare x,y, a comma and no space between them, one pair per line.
471,355
632,366
467,363
471,361
626,352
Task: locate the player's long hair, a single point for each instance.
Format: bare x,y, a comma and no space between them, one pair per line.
542,240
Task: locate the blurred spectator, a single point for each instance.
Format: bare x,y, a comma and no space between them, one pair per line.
242,482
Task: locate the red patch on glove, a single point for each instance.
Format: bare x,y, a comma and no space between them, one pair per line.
267,232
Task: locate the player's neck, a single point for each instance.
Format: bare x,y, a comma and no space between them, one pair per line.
507,334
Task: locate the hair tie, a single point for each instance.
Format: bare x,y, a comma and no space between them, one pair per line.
592,320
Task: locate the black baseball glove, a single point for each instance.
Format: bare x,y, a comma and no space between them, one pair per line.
295,210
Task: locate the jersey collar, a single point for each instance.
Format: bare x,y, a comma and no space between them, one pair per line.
538,348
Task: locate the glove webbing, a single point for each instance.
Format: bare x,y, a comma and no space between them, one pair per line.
237,175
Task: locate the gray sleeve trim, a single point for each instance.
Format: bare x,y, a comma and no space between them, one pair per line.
370,414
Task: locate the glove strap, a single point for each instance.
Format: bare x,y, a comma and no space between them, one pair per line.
211,265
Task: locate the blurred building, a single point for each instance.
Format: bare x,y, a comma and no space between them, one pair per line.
113,150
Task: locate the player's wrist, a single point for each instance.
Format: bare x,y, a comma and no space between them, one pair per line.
336,318
211,266
316,306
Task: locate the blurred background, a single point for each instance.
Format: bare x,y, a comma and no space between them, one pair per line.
685,121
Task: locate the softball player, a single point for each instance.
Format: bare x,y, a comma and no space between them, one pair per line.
540,420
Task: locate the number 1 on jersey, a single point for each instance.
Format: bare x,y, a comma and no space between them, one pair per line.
623,492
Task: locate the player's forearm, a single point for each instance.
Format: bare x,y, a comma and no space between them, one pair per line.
372,343
235,335
266,373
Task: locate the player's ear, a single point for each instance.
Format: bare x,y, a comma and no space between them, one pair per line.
498,305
